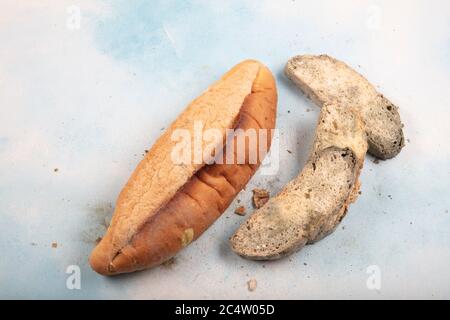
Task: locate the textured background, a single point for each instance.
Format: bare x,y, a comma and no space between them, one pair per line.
89,100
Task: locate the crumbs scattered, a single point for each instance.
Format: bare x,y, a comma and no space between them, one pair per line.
251,285
289,151
260,197
305,264
408,140
169,263
54,245
104,212
289,111
240,211
55,170
99,216
34,244
389,196
376,161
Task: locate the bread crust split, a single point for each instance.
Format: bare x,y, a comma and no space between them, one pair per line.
312,205
164,206
327,80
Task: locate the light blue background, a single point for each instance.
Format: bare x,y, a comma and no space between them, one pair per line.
89,101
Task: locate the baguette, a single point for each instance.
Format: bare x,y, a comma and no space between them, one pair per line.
164,206
326,80
311,205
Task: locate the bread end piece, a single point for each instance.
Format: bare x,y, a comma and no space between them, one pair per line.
327,80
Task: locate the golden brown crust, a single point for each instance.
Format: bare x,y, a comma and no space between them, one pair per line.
200,200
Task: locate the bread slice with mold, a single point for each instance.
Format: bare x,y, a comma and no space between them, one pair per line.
313,204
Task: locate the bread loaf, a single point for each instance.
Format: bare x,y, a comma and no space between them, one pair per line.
165,206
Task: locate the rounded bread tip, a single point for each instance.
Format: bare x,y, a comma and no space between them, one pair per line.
99,261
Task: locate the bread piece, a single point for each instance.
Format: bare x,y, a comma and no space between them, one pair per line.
165,206
260,197
327,80
311,205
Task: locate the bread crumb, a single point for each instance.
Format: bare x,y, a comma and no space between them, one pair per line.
169,263
54,245
260,197
33,244
56,170
240,211
251,285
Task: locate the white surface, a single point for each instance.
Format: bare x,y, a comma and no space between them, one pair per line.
89,101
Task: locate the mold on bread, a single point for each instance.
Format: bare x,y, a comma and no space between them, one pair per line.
313,204
328,80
